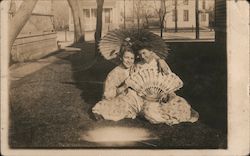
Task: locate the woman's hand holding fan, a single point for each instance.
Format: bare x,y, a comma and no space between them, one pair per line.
163,67
153,85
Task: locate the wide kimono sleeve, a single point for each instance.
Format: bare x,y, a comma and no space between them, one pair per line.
109,87
163,66
114,79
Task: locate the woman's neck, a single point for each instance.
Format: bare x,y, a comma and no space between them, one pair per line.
124,67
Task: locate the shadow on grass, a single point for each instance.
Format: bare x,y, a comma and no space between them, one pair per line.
202,68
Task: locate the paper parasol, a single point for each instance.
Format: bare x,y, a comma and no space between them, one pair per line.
112,42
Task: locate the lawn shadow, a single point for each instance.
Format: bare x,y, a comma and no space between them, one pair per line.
203,69
89,71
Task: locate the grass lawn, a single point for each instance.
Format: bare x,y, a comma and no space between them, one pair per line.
51,107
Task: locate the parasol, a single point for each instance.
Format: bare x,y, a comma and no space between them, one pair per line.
112,42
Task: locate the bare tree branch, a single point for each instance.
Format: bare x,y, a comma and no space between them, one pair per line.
19,19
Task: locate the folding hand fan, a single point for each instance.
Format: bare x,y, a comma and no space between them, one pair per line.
153,85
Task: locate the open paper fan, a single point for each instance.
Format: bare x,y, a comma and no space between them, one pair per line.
111,43
153,85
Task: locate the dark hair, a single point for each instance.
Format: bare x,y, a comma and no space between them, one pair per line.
145,45
130,49
161,52
124,49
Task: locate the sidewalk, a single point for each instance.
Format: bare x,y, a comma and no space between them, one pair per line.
187,35
22,69
68,37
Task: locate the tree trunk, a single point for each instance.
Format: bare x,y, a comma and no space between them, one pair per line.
197,24
124,19
98,33
147,22
138,22
162,19
162,27
12,9
176,16
162,14
19,19
161,32
78,20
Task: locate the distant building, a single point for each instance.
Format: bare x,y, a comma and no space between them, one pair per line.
185,14
37,37
90,12
114,12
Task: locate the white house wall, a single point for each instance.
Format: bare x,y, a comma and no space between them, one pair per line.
180,17
180,13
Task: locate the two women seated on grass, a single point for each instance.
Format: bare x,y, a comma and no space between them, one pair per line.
121,101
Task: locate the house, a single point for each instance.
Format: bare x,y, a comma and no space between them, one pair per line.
124,13
89,11
185,14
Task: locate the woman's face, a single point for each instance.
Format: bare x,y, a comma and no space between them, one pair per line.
128,59
146,55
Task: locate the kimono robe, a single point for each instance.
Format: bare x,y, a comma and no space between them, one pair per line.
174,111
116,107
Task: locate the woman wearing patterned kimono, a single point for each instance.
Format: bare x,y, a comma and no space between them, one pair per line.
173,109
119,101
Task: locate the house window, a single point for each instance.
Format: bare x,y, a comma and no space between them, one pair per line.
203,17
185,15
107,13
174,15
86,13
94,13
185,2
204,4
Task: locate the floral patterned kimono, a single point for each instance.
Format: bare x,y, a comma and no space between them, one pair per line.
174,111
116,107
129,104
